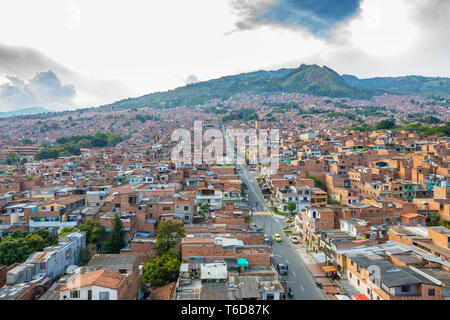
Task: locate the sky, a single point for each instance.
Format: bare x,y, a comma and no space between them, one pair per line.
65,54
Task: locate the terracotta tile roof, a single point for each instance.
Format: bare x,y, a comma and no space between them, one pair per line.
163,293
196,240
411,215
103,278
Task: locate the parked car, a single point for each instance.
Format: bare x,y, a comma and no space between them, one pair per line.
294,239
254,227
282,268
277,237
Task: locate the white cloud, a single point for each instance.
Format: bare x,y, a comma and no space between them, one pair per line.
43,89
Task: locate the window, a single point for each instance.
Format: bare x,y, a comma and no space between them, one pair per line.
123,271
431,292
405,288
75,294
359,282
350,274
104,295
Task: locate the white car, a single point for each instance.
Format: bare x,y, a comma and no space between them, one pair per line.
294,239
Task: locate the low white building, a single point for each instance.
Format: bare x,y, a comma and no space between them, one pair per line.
96,285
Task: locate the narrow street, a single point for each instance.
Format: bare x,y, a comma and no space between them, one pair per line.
299,277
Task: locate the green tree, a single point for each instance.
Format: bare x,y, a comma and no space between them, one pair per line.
13,251
66,230
445,223
48,237
19,234
291,207
318,183
26,142
35,242
385,124
116,239
168,237
433,220
203,208
431,120
94,231
161,270
12,158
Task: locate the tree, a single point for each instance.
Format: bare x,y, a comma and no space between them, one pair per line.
291,207
318,183
161,270
116,239
49,238
445,223
19,234
67,230
35,242
94,231
13,251
26,142
203,209
431,120
12,158
433,220
385,124
168,237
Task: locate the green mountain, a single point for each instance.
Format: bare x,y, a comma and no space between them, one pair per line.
319,81
414,85
308,79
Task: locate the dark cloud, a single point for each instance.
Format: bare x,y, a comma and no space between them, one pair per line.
44,89
319,17
191,79
23,63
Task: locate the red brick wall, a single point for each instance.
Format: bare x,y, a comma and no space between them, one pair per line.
28,294
143,247
3,271
438,238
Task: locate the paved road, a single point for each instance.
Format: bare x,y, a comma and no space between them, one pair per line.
299,278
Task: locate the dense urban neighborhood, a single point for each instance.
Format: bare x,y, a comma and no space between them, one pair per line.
93,207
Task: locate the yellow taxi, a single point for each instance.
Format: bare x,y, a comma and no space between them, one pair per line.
277,237
289,219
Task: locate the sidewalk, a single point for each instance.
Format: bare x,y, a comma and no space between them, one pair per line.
329,287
